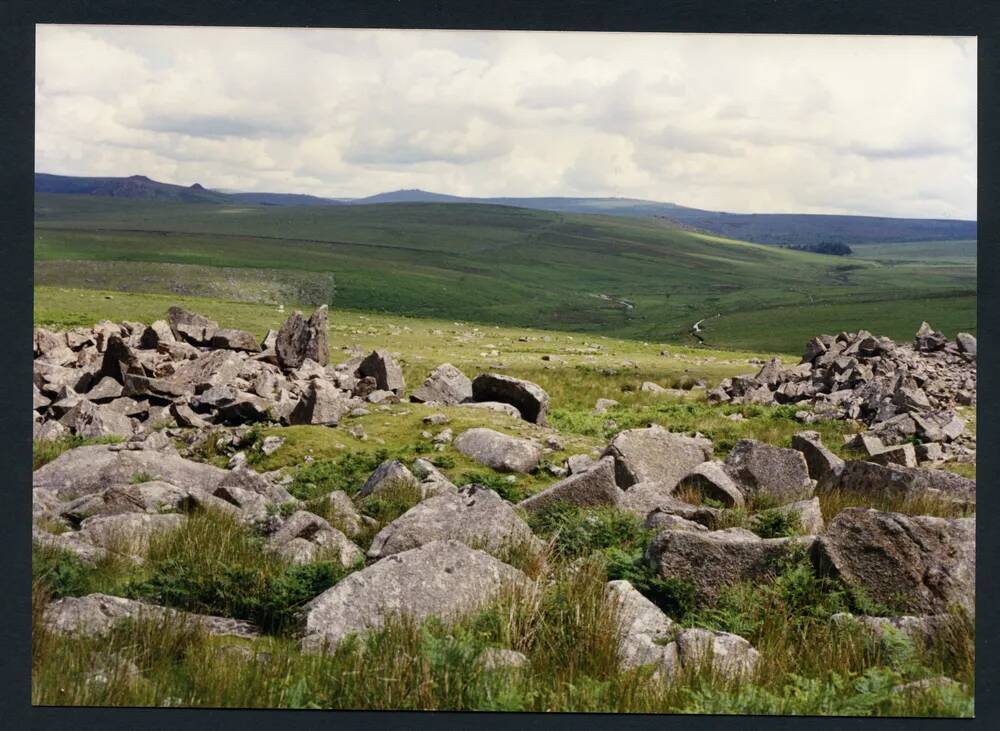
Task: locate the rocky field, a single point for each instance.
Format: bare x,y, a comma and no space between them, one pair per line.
221,519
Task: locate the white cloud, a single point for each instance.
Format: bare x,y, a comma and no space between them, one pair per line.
875,125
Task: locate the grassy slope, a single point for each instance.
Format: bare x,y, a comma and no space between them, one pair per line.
522,267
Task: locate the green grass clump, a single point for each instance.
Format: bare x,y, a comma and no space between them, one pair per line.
213,565
44,451
510,491
577,531
348,473
61,573
675,597
392,500
774,523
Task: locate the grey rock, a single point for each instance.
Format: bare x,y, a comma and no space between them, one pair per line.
648,498
185,416
442,579
322,404
646,635
530,399
499,451
808,514
445,385
763,469
868,478
474,515
299,339
658,520
715,559
727,654
902,454
710,480
91,469
824,466
88,420
496,658
603,404
159,333
126,533
966,343
387,373
146,497
89,554
577,463
189,327
494,406
343,514
230,339
591,488
388,474
305,536
655,454
919,563
95,615
107,389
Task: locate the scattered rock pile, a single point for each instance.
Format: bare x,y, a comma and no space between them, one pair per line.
122,379
905,395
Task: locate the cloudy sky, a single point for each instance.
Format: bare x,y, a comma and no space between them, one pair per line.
816,124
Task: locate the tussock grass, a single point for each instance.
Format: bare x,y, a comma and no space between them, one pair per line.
833,501
44,451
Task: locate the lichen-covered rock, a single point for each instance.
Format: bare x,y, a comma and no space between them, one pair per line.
498,451
917,563
475,515
655,454
761,469
592,488
440,579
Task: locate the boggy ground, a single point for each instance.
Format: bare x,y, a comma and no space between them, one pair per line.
565,627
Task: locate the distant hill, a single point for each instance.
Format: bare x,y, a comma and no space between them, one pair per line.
142,188
763,228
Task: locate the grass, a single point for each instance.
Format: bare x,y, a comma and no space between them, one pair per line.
483,263
44,451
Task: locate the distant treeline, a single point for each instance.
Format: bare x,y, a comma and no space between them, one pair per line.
834,248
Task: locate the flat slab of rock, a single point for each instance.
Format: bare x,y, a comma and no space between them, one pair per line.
439,579
715,559
91,469
474,515
656,455
918,564
592,488
530,399
494,406
95,615
498,451
761,469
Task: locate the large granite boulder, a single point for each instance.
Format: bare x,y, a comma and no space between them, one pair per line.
763,470
596,486
868,478
913,563
322,404
439,579
92,469
445,385
498,451
474,515
299,339
528,398
655,454
710,480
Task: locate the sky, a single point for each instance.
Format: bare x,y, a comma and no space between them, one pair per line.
872,125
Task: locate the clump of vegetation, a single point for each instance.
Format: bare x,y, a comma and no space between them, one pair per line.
675,597
506,489
392,500
775,523
347,472
577,531
214,565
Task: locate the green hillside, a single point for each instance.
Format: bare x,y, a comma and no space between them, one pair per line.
497,264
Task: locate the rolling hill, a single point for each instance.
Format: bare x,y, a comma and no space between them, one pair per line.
500,264
764,228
